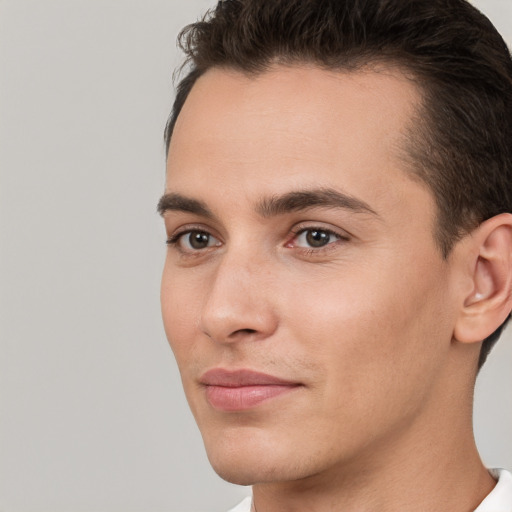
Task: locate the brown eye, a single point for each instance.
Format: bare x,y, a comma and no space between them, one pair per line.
318,238
315,238
193,240
198,239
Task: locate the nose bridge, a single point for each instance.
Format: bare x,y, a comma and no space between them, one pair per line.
239,299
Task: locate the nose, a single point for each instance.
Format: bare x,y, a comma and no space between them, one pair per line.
239,302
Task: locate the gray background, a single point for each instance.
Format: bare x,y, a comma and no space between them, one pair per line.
92,417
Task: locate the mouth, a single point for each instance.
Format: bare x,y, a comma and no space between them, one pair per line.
239,390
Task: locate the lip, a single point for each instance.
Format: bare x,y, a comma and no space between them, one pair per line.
239,390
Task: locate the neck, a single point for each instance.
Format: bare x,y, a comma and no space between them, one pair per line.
434,477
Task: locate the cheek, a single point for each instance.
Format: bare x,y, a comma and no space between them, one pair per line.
180,300
180,303
371,326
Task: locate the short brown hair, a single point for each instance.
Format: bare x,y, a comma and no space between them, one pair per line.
461,143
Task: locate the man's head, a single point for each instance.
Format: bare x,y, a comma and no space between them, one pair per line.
460,141
336,176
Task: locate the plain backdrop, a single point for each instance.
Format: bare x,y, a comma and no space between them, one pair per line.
92,416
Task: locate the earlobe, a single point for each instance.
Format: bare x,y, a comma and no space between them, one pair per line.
489,302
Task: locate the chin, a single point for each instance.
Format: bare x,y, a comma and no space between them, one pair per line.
252,459
251,471
239,457
238,474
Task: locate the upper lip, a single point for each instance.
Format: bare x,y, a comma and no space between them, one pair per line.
239,378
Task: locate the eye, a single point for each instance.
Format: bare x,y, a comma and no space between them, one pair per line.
315,238
193,240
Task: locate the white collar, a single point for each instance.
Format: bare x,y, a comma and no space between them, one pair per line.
500,498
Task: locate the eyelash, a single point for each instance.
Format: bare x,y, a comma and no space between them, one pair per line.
300,229
295,232
175,238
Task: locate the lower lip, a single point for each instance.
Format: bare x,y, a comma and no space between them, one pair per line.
241,398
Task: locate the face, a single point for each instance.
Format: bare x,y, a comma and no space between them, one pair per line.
303,295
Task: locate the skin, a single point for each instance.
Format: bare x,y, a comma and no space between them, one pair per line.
365,324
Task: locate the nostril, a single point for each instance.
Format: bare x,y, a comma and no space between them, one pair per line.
235,334
243,331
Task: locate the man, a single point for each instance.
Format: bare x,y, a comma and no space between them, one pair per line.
339,261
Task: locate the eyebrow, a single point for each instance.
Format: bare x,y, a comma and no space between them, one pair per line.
275,205
177,202
317,198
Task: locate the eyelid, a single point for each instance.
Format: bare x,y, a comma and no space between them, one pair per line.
320,226
186,228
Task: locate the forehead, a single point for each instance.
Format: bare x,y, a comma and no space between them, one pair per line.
293,127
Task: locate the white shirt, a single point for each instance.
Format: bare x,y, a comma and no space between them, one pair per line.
499,500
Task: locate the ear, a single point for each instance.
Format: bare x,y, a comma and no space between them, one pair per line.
489,302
